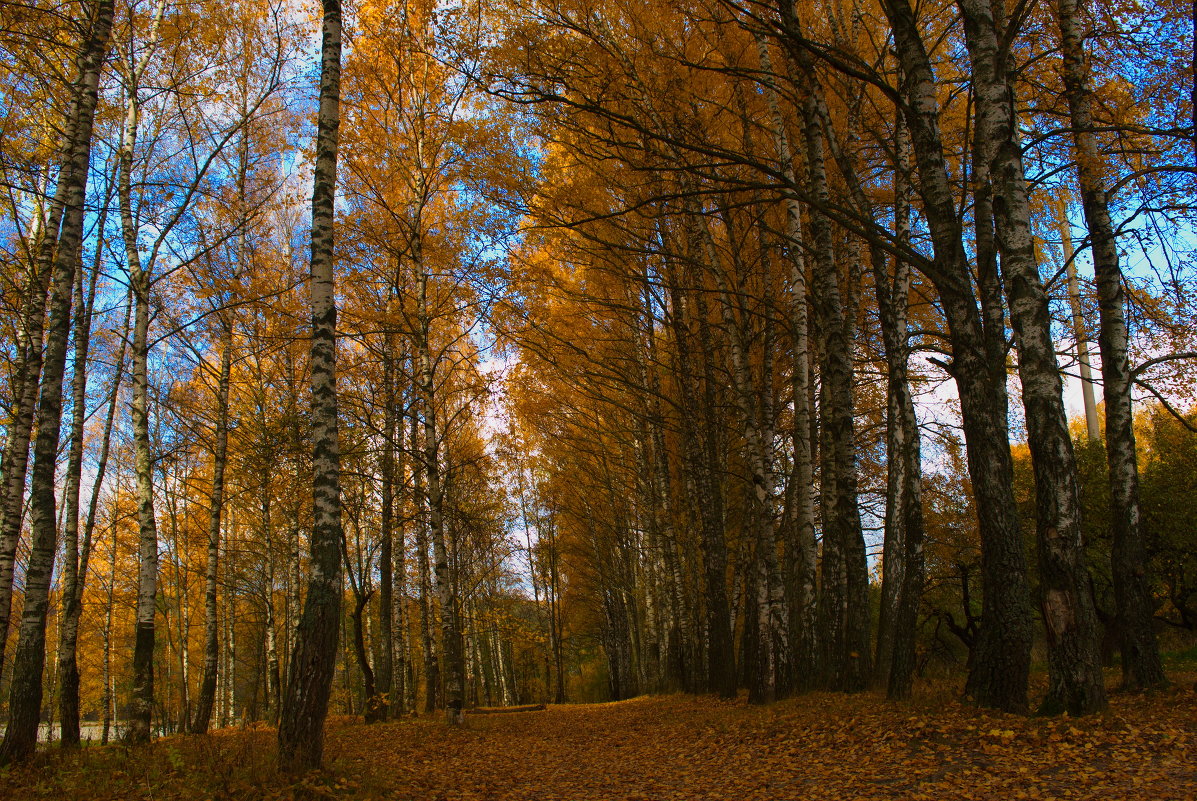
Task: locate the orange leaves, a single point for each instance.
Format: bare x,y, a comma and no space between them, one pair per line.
819,746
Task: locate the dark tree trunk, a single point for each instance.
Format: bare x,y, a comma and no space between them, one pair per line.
903,447
720,654
845,615
374,711
387,514
207,693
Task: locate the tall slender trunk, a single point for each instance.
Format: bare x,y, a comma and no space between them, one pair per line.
1083,358
772,626
800,533
227,677
71,621
108,695
274,678
446,594
142,702
556,625
479,674
423,568
310,674
141,707
182,616
294,568
677,637
75,556
207,693
403,691
386,667
902,564
903,442
1141,665
847,667
542,616
20,736
706,499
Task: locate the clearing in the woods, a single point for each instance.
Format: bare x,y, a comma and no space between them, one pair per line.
819,746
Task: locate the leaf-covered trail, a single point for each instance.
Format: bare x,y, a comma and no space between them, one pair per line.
820,746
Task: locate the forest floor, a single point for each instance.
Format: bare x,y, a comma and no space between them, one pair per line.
818,746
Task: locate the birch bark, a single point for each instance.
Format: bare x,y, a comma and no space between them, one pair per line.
20,736
1074,664
310,673
1141,665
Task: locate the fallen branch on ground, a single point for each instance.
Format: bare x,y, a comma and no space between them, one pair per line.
499,710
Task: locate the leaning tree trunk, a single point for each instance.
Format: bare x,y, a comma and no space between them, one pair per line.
1141,666
14,466
1083,358
372,711
310,673
361,595
25,701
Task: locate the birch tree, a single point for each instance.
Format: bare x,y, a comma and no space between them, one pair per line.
310,672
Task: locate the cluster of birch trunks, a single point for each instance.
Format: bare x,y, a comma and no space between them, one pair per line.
774,227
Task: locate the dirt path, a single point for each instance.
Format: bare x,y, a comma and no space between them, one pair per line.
820,746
